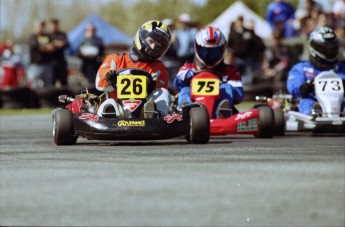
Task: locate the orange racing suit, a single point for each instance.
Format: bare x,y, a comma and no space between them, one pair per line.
123,61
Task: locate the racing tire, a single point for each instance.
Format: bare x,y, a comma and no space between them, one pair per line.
279,122
199,126
266,122
63,129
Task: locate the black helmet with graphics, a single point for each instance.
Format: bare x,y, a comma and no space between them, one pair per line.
151,41
323,48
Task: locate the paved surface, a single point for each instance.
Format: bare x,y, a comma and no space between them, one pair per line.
296,180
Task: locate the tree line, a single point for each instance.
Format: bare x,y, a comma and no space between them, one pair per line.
125,15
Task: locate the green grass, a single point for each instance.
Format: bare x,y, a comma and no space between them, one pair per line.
6,112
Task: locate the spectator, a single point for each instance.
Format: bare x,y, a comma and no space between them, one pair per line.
280,16
276,59
60,42
40,72
340,31
91,52
339,9
170,58
258,52
12,66
185,38
244,49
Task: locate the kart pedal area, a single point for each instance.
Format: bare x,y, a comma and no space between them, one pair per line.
224,110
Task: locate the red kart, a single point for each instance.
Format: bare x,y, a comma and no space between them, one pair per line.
259,121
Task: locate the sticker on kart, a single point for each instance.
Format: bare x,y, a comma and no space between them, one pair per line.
205,86
126,123
250,125
131,87
170,118
88,116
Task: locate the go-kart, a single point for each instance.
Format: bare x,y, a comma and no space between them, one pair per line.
205,89
326,116
104,118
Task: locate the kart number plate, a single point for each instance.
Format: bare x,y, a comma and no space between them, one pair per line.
329,85
131,86
203,86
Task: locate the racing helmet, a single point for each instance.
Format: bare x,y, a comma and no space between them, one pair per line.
209,47
323,48
151,41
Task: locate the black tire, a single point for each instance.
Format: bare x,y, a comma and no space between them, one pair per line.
279,122
266,122
63,129
199,126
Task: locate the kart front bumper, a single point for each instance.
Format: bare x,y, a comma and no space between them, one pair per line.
301,122
99,128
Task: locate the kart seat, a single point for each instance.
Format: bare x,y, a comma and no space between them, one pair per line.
110,109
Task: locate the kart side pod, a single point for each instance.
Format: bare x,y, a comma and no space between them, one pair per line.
259,121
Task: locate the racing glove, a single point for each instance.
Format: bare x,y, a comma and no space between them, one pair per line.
110,77
306,88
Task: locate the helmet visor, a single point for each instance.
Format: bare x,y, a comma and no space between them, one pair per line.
210,55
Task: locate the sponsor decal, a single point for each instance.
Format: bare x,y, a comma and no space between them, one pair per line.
170,118
250,125
244,115
131,105
88,116
275,104
124,123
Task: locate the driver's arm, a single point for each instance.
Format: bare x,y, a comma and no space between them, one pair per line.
109,63
295,80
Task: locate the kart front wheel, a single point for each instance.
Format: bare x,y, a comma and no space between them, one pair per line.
199,126
63,129
279,122
266,122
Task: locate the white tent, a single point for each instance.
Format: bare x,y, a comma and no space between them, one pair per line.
223,21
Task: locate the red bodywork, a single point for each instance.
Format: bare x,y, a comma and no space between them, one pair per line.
246,122
75,105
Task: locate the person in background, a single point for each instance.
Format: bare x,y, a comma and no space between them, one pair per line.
151,42
280,15
340,31
40,70
210,44
276,59
13,72
91,52
60,42
323,56
185,38
243,48
170,59
338,9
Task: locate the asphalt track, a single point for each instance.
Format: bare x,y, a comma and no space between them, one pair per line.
295,180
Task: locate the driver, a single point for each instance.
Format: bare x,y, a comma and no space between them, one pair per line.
209,51
150,43
323,47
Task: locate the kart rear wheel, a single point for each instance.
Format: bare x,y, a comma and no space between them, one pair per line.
199,126
63,129
279,122
266,122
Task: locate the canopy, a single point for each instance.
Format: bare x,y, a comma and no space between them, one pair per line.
224,20
109,34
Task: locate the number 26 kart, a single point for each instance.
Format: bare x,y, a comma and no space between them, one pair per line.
132,116
205,89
